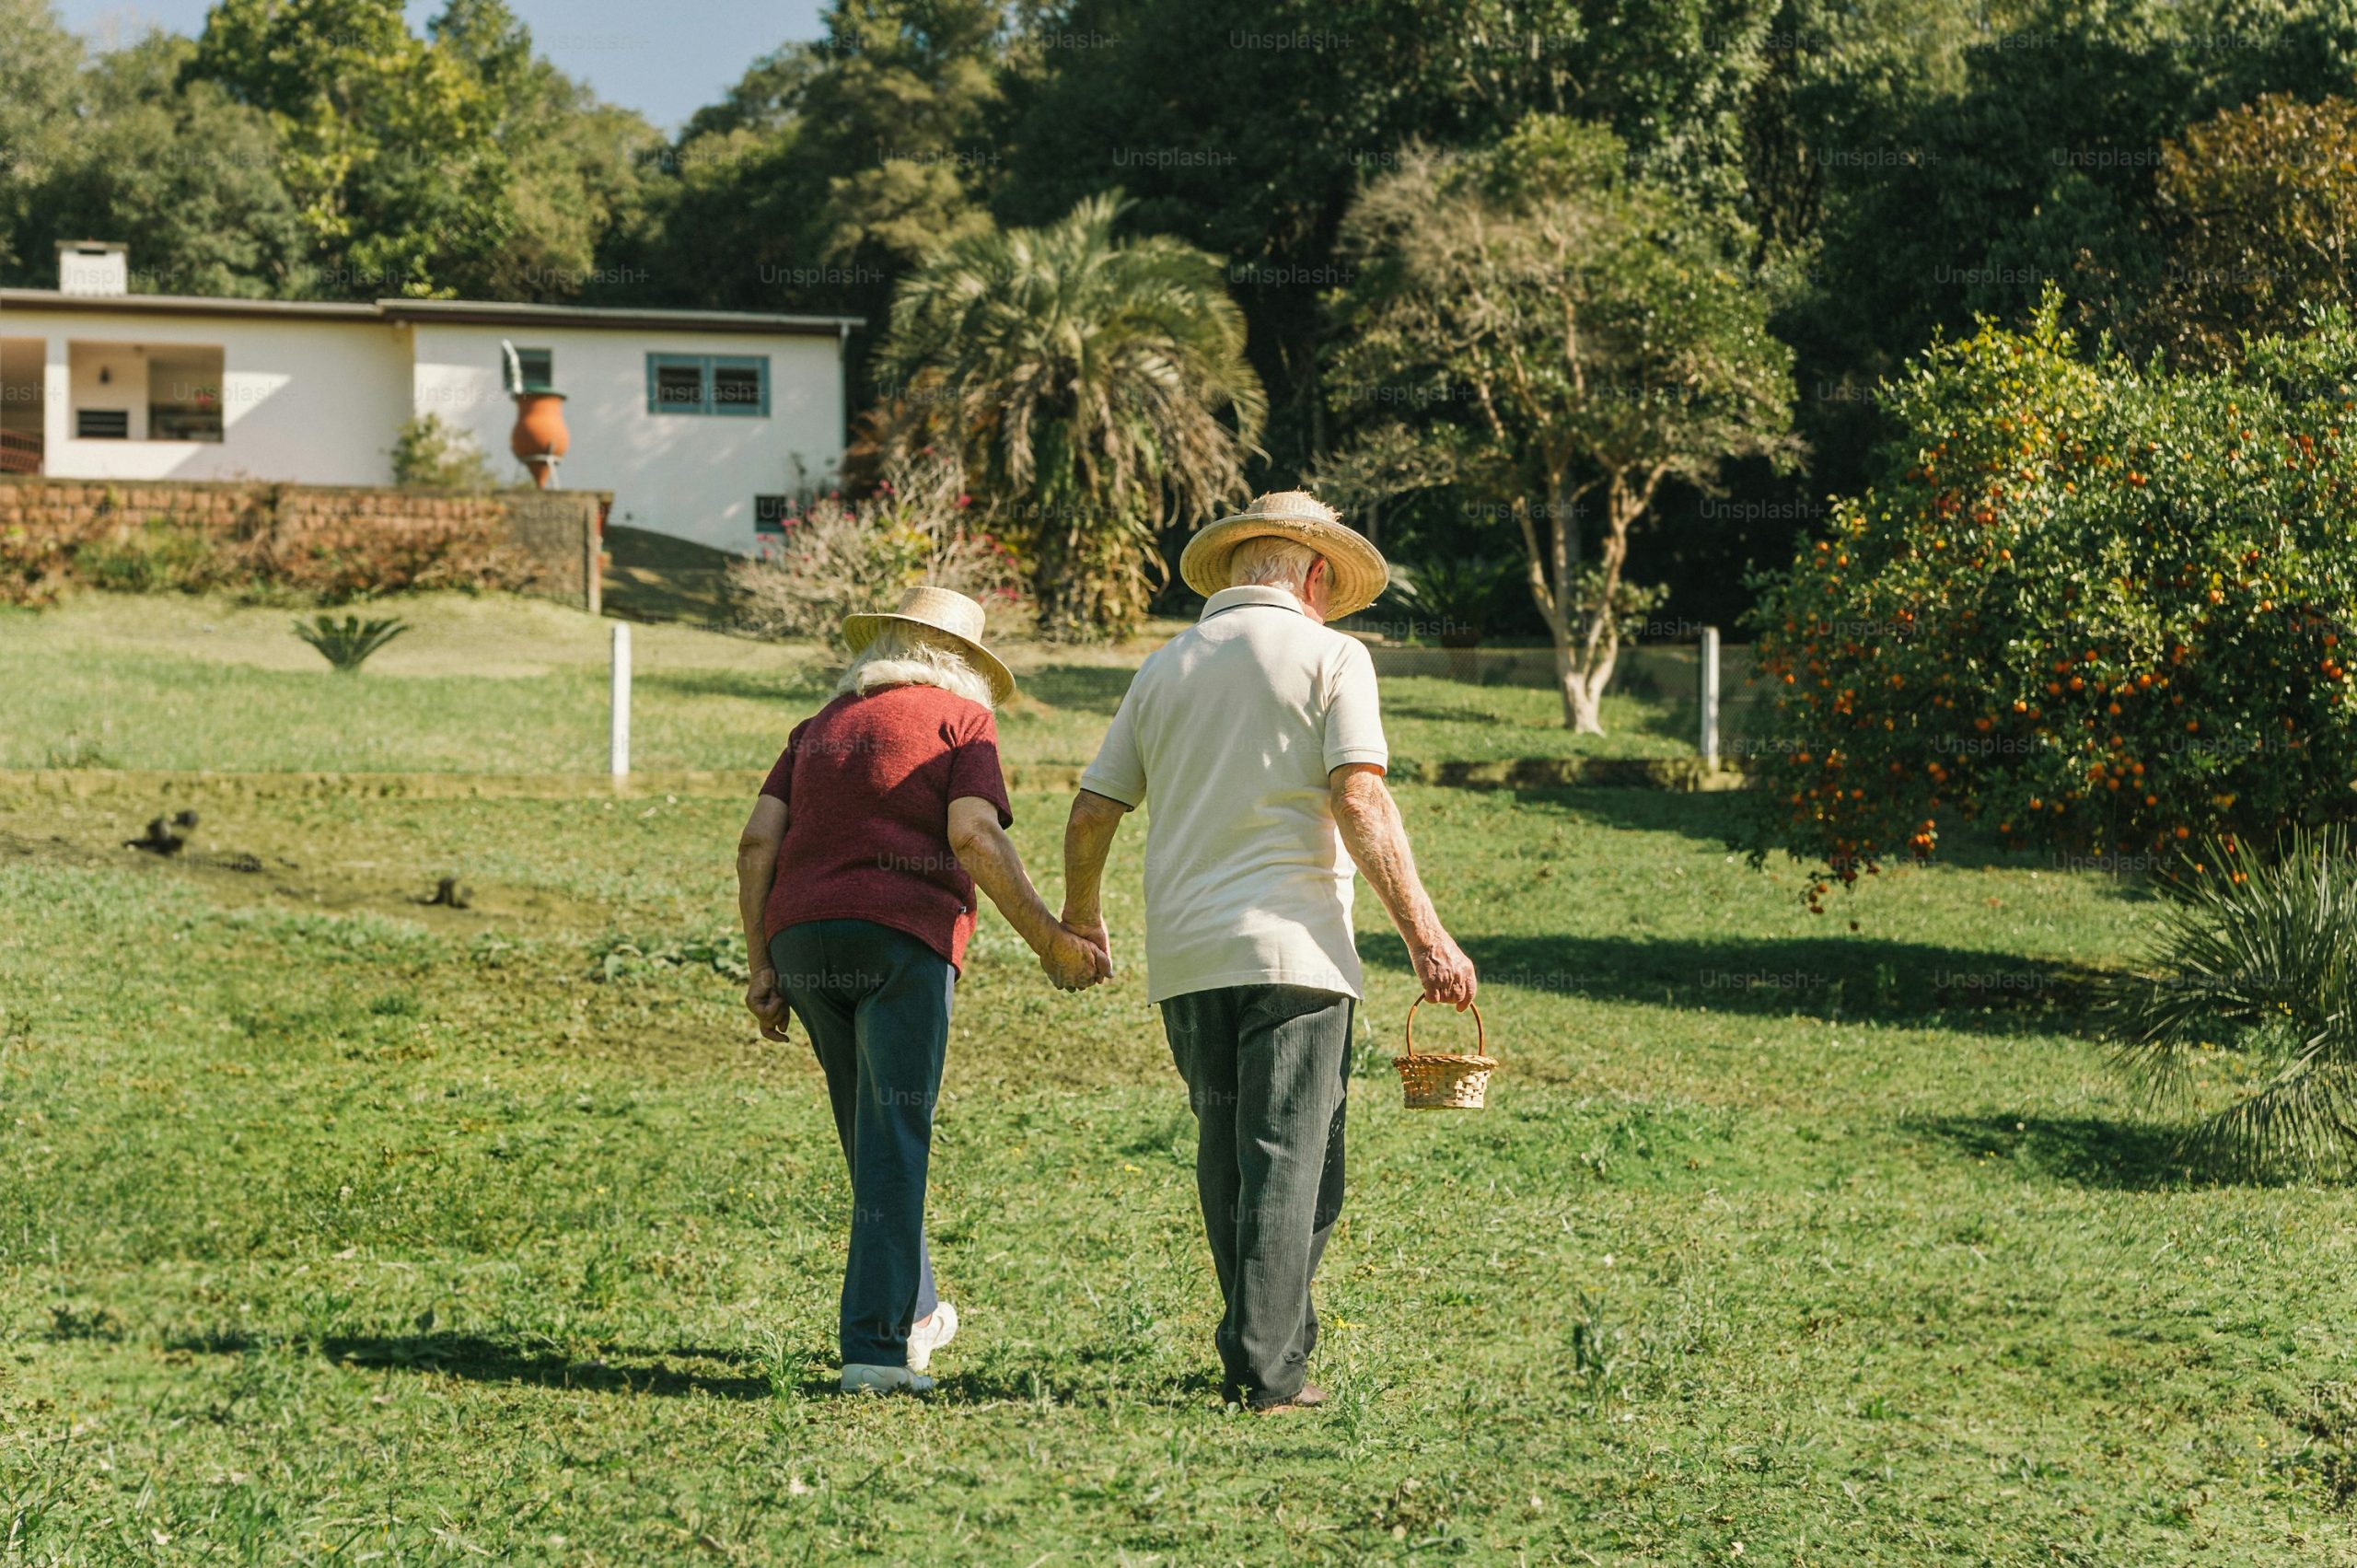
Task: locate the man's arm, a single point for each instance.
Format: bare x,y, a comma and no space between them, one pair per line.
1377,840
990,858
1088,839
756,849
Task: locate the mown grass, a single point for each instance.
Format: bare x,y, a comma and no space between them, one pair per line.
333,1226
496,685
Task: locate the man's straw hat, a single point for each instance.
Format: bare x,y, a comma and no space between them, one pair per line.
937,615
1359,572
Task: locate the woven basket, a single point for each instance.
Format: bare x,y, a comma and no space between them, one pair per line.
1436,1081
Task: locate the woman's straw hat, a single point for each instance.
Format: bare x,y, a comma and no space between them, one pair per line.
1359,572
938,615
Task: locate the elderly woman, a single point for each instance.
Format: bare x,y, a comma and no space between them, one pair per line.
855,877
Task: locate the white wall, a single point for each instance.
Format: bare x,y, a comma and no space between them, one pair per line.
312,400
692,475
126,386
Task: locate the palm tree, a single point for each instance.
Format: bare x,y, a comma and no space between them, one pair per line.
1098,389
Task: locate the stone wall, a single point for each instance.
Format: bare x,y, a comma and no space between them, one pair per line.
333,540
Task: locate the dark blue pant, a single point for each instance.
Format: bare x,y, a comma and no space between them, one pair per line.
1266,1069
877,1003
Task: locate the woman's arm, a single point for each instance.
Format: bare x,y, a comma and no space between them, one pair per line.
756,849
990,858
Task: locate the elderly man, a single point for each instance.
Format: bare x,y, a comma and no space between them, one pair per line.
1257,736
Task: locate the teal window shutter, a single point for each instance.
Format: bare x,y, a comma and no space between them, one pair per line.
740,386
678,383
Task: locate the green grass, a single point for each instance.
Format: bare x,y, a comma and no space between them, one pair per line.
507,686
335,1227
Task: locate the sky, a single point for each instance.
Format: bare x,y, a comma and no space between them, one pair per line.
665,60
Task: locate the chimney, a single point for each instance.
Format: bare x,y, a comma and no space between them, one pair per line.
92,266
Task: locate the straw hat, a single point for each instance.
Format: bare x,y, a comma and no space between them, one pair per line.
1359,572
938,615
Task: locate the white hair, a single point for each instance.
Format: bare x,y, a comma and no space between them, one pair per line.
1270,560
897,657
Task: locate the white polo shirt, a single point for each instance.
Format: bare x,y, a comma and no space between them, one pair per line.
1231,728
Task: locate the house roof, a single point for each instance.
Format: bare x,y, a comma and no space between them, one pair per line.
473,312
489,313
181,305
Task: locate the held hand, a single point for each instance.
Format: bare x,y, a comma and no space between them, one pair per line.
767,1003
1091,929
1074,962
1446,973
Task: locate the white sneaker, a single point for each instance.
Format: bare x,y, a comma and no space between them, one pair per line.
859,1379
931,1335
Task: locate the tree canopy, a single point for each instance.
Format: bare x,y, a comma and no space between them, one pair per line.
1877,171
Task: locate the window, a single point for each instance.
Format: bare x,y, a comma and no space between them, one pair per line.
537,365
145,392
736,386
184,394
677,385
769,512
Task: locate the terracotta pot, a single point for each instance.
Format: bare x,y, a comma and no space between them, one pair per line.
539,437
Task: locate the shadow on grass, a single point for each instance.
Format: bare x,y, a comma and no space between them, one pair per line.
808,684
655,576
1086,687
1707,816
477,1358
2087,1151
1651,730
1832,978
1723,819
1059,1381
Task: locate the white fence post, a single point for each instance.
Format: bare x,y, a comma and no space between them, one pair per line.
1710,694
620,749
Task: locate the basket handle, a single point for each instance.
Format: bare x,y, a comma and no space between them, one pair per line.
1481,1034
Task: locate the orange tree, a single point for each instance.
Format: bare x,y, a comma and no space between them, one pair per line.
2104,610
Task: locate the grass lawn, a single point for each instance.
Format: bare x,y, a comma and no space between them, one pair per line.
502,685
335,1227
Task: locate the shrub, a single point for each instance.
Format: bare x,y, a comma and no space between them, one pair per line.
428,453
2257,956
335,565
839,557
1455,597
347,643
154,557
2102,609
264,556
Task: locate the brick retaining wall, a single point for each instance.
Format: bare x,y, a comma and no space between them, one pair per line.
332,539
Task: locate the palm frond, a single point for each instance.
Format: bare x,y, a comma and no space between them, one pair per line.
1100,388
2253,967
346,645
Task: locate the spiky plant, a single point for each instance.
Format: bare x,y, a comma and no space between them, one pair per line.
347,643
2255,956
1457,595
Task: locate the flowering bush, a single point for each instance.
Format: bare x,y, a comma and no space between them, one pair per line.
2106,610
839,557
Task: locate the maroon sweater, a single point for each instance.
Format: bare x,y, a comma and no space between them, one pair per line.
867,782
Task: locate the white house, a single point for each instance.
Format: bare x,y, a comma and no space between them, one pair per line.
700,422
